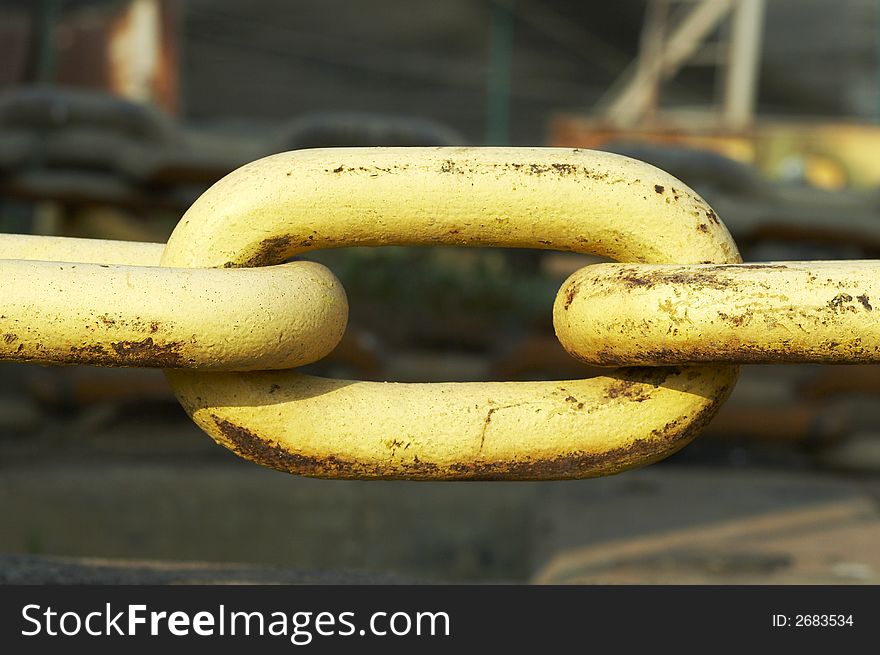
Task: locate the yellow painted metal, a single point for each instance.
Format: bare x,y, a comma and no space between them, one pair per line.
550,198
562,199
822,312
117,315
85,251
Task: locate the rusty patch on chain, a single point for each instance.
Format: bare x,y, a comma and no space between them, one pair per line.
129,354
674,435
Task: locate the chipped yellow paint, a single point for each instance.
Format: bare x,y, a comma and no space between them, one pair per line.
111,314
822,312
561,199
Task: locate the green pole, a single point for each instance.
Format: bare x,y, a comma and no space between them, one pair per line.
498,82
42,62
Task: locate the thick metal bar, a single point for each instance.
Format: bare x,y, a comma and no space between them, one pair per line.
630,101
32,247
744,58
108,314
499,72
639,314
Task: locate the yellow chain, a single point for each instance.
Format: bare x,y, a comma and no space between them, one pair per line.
685,299
822,312
73,301
578,201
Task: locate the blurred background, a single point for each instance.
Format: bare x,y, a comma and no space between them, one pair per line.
116,114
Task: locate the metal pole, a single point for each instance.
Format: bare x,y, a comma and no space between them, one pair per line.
744,58
498,82
41,66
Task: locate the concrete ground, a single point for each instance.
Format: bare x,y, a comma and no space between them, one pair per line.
147,497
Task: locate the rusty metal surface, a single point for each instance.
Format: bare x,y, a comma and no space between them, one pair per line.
96,310
128,49
821,312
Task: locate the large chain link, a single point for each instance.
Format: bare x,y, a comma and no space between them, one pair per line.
685,299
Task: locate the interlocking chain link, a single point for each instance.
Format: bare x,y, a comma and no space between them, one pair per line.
578,201
684,299
820,312
84,306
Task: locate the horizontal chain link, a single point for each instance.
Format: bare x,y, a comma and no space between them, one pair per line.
650,315
119,315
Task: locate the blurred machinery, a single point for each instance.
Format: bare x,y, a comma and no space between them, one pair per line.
724,35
